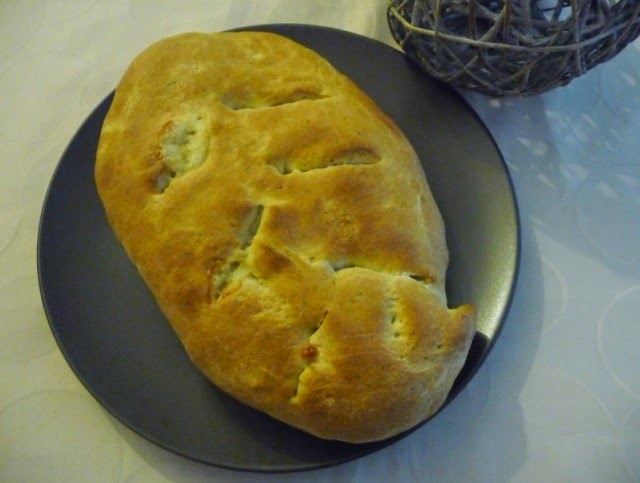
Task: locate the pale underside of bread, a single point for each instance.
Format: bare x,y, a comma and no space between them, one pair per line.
287,231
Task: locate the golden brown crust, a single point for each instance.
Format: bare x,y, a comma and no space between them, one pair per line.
286,229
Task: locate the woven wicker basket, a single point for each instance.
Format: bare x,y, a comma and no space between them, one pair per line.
512,47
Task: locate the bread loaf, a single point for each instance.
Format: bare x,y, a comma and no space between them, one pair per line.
287,231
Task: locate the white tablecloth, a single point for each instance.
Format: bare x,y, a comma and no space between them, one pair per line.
558,399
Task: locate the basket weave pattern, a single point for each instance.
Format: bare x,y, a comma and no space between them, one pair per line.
512,47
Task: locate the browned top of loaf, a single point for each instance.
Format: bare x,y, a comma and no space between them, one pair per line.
287,231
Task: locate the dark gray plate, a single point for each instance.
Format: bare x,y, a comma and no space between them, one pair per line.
114,337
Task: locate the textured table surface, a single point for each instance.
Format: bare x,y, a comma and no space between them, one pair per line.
558,399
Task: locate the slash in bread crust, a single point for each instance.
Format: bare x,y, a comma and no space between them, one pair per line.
287,231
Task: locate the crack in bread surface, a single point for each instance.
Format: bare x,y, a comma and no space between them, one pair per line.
351,157
250,226
309,359
230,268
183,148
341,265
398,341
248,102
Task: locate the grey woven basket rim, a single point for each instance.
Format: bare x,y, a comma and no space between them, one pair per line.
502,46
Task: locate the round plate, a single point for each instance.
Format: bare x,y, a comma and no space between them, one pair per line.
120,346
